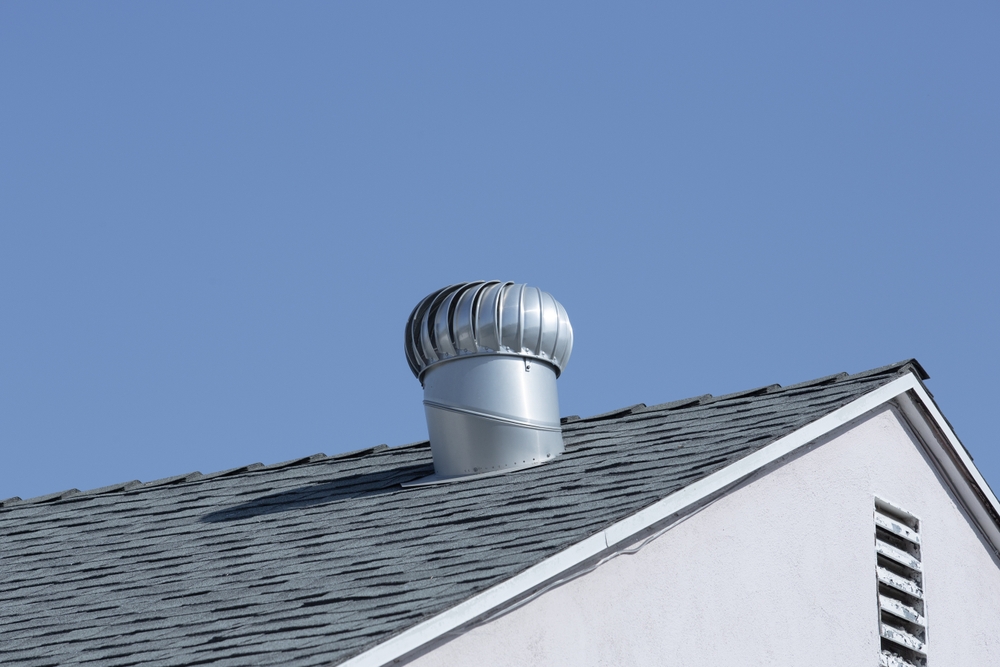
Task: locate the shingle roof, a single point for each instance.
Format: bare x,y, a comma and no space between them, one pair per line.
318,559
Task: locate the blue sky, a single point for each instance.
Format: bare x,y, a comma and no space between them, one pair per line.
215,218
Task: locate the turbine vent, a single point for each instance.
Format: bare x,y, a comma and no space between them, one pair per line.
488,318
488,354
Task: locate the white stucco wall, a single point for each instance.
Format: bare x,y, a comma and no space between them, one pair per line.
778,572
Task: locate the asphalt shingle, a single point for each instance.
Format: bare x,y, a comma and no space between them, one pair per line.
317,559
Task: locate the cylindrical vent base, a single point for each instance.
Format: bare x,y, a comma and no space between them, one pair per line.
489,413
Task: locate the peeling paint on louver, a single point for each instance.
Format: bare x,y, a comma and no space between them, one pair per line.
896,528
897,555
890,659
899,583
899,577
901,637
900,610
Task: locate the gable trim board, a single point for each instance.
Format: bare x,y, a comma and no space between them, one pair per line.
907,393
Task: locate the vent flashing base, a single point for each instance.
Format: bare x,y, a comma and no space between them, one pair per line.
431,480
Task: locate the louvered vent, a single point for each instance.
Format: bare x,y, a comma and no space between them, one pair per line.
902,618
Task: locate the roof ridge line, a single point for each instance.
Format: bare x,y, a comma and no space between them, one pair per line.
638,408
136,485
747,393
900,367
611,414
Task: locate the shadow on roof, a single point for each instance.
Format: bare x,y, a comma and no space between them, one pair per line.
343,488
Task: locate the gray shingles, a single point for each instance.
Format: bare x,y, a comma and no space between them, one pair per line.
316,559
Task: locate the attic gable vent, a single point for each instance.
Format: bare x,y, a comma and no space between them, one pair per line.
899,573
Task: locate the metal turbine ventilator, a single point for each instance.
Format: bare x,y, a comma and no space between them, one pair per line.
488,355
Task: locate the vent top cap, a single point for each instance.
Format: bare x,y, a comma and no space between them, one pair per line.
488,317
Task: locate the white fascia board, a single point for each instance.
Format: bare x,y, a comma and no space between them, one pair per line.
953,461
691,497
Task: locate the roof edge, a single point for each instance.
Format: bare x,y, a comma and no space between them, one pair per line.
934,431
961,473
